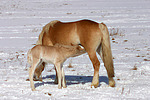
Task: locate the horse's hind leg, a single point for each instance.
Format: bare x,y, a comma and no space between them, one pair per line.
38,72
109,67
96,65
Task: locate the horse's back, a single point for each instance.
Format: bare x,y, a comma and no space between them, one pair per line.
87,27
63,33
72,32
90,34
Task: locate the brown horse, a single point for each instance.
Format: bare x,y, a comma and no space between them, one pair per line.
93,36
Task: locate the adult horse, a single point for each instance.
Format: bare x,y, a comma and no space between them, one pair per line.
93,36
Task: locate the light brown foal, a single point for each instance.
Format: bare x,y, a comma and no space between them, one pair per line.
56,55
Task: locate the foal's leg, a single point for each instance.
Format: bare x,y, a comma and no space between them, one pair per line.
31,72
59,73
56,78
63,79
96,65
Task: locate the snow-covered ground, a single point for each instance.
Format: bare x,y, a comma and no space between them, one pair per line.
21,22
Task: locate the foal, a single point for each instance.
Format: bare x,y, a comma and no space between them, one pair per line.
56,55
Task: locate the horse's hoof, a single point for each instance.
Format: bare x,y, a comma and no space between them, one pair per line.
35,78
64,86
40,79
112,83
59,87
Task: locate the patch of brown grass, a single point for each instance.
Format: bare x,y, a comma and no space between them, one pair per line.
146,60
134,68
48,94
70,66
115,32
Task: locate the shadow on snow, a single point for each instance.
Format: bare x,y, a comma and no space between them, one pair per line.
72,79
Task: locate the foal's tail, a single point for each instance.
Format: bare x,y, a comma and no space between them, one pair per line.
29,56
105,51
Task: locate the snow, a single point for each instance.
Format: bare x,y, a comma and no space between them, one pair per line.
21,22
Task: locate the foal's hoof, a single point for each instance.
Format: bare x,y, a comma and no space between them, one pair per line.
95,85
59,87
33,89
111,83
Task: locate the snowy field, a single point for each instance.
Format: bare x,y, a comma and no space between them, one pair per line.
21,22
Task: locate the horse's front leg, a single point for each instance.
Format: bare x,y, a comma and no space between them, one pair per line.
96,65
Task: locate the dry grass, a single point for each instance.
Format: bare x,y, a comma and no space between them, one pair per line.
115,32
146,60
70,66
48,94
122,90
134,68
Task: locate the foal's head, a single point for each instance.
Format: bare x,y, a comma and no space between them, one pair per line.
79,50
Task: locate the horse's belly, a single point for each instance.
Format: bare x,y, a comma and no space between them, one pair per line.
67,39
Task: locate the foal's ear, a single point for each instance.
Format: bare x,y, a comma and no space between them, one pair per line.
80,47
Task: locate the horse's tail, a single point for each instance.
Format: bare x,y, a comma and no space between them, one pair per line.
39,42
45,30
105,50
